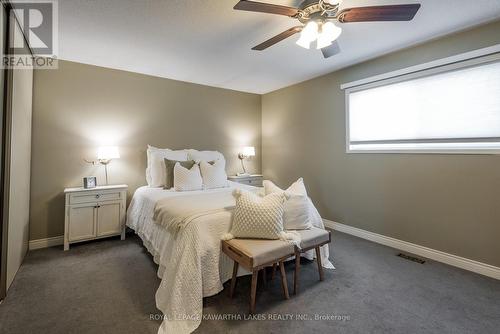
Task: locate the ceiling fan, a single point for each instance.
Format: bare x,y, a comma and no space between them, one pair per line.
317,16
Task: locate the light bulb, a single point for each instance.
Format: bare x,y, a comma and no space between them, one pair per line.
329,33
333,2
303,42
308,35
310,31
323,42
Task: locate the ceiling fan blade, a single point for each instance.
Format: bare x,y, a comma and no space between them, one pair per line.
253,6
331,50
278,38
379,13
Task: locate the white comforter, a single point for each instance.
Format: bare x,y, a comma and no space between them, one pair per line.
191,265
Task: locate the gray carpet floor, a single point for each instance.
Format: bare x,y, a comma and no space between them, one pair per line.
109,287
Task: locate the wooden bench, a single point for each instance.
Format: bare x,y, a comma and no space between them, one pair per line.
255,255
310,239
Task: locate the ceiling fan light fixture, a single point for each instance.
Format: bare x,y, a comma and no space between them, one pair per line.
329,33
308,35
315,18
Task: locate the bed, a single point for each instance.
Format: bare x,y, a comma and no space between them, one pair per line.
188,252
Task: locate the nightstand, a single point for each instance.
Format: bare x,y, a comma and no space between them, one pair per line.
251,180
94,213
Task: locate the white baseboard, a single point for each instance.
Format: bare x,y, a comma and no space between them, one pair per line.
44,243
453,260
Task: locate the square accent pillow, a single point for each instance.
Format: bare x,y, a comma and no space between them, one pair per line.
169,170
187,179
257,217
214,174
297,215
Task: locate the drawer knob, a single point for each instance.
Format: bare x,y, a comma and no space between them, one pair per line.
97,196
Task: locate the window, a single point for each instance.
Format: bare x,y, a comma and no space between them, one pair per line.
453,108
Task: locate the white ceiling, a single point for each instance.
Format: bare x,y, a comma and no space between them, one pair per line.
207,42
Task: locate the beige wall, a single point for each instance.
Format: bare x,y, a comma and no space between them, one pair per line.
80,107
446,202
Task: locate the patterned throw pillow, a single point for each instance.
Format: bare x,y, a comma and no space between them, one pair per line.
259,217
187,179
214,174
169,170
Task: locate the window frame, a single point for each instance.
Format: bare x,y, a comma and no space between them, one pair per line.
455,63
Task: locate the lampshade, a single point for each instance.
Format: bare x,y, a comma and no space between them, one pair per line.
108,153
329,33
308,35
248,151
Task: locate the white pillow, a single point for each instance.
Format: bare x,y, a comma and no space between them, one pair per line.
257,217
187,179
156,172
298,187
205,155
214,176
297,214
148,167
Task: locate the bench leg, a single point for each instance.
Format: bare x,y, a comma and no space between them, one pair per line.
296,273
233,279
264,277
273,274
253,291
284,284
320,267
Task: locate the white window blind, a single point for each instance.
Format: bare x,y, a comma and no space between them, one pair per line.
454,108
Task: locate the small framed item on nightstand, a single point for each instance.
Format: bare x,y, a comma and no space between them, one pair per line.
89,182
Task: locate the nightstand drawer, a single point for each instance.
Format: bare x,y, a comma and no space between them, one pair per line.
251,182
94,197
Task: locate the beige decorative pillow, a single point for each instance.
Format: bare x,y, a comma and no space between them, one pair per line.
187,179
259,217
169,170
214,174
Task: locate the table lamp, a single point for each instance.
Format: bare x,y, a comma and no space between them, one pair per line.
246,152
104,156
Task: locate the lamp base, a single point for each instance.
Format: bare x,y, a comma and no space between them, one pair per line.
105,163
243,174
